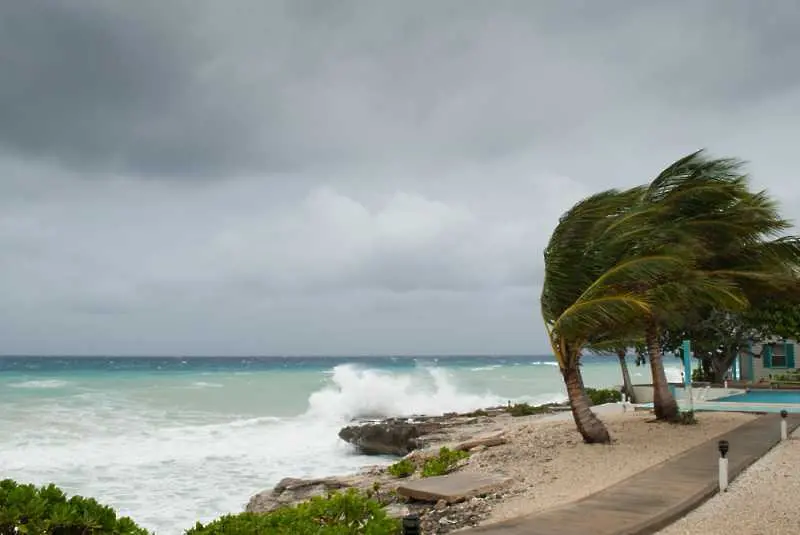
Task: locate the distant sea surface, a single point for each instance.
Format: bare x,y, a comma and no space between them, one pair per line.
170,441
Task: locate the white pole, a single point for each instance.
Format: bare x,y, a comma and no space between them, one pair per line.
723,474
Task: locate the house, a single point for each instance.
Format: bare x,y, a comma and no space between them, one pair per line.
768,359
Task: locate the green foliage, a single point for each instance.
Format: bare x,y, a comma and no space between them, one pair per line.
443,463
402,468
524,409
687,418
701,375
599,396
475,413
348,513
789,377
47,511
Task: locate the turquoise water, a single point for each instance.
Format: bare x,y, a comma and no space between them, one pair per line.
173,440
764,396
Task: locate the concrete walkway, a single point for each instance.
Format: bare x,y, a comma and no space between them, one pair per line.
656,497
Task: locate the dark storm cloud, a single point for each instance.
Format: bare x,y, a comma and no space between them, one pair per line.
209,88
357,176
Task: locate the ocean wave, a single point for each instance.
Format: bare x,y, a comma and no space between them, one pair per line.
203,384
44,383
486,368
369,393
544,363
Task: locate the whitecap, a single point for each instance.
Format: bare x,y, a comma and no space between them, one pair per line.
44,383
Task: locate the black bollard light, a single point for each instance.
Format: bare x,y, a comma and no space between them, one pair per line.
784,427
411,525
723,465
723,448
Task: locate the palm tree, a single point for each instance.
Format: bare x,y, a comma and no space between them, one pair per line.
587,292
736,242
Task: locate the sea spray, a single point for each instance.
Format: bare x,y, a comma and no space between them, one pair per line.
357,392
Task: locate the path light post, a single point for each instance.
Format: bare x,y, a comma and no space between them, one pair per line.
784,430
411,525
723,465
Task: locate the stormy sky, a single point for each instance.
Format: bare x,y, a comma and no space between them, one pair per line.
350,177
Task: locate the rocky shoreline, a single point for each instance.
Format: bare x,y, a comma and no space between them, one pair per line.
416,439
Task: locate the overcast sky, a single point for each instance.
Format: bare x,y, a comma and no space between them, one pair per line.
377,177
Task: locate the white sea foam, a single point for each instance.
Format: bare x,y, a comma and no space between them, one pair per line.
544,363
367,393
485,368
44,383
204,384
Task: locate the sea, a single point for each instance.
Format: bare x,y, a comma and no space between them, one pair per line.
173,440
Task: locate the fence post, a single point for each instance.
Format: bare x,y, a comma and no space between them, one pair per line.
723,465
784,430
411,525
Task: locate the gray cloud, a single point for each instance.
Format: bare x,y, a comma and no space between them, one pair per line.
305,177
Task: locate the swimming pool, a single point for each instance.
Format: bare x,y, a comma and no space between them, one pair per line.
784,397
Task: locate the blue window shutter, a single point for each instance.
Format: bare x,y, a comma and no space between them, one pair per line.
790,355
768,356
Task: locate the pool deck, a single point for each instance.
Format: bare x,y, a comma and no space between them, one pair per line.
654,498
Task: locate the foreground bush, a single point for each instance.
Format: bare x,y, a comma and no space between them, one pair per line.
47,511
599,396
348,513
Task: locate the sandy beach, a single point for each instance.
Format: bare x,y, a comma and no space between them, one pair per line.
762,500
551,466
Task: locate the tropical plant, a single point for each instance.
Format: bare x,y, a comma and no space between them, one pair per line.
600,396
734,237
347,513
47,510
402,468
592,295
444,463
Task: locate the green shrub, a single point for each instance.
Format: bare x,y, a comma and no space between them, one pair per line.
347,513
687,418
47,511
524,409
476,413
599,396
402,468
443,463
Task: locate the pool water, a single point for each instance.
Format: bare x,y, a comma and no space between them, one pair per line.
764,396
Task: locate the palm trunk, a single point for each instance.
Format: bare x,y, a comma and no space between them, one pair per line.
666,408
626,376
589,425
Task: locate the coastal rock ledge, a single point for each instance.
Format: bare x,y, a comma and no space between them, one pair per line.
389,437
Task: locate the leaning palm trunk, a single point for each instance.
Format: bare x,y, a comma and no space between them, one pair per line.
626,376
666,408
589,425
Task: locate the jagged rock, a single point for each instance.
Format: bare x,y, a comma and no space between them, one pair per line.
290,491
391,436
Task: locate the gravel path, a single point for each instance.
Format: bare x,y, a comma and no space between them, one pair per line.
761,501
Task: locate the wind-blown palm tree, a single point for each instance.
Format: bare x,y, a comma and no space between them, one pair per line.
587,290
737,246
